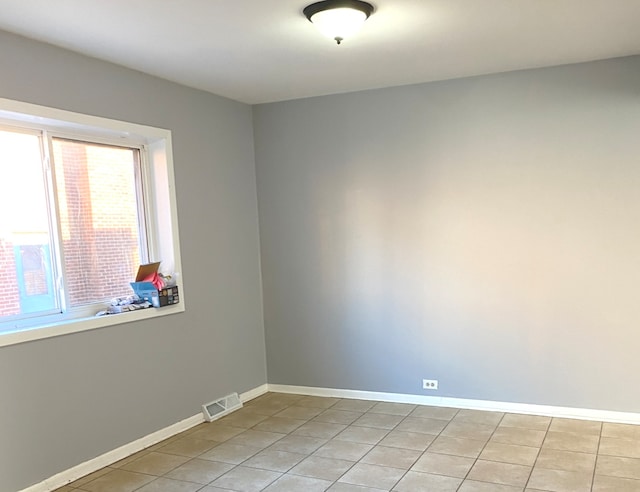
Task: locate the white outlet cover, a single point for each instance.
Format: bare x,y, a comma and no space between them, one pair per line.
430,384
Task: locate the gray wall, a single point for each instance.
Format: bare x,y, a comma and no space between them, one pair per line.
483,232
68,399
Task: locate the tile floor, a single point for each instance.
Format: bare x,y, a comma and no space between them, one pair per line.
281,442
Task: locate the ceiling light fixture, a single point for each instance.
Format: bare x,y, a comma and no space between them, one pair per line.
338,19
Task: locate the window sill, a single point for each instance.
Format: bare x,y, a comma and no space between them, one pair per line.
84,324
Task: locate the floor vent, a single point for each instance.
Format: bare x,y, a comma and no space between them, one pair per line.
221,407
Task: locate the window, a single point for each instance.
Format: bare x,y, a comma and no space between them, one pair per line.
85,201
102,236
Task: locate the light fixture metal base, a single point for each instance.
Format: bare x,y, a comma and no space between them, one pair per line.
314,8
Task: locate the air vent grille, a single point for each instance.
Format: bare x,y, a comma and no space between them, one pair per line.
221,407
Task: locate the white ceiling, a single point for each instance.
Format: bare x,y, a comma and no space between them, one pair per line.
259,51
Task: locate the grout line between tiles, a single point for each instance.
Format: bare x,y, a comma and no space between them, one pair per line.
595,465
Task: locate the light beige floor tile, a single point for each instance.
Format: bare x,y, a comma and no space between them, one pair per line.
344,450
88,478
554,459
440,413
302,413
188,446
444,464
65,488
379,420
474,486
323,430
603,483
129,459
426,482
244,420
615,466
518,435
296,483
407,440
246,479
279,425
338,416
354,405
271,459
155,463
261,402
579,426
210,488
268,409
256,439
468,430
168,485
230,453
479,417
317,402
627,448
425,426
621,431
196,428
457,447
324,468
559,480
402,409
199,471
163,443
568,441
216,432
500,473
365,435
118,481
372,476
510,453
347,487
534,422
299,444
394,457
244,411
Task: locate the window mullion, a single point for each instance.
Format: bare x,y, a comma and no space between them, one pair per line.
56,226
146,230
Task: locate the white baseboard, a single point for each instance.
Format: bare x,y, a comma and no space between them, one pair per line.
254,393
440,401
106,459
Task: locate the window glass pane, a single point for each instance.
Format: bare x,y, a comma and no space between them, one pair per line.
98,207
26,268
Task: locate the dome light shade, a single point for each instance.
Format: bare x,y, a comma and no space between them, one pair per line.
338,19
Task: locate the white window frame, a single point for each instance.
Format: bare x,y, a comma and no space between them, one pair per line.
161,220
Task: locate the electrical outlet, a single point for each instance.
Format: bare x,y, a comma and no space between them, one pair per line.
430,384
